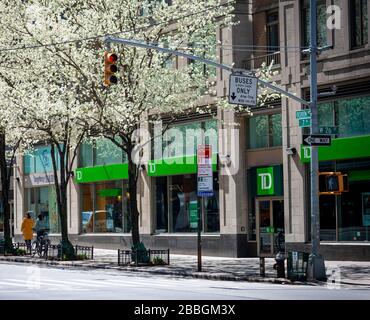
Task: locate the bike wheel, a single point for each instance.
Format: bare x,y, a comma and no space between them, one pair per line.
34,248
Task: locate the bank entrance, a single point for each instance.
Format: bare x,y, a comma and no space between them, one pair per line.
270,225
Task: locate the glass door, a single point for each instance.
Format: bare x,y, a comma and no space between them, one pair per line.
270,226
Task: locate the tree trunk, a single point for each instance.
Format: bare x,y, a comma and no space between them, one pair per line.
61,193
68,249
134,212
5,186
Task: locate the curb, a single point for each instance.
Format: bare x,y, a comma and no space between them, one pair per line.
202,275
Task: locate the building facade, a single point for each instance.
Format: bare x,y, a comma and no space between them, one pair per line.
265,192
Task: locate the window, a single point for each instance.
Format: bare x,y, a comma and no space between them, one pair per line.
321,23
42,201
359,23
105,207
351,116
273,42
183,139
39,160
100,152
346,217
177,205
265,131
203,45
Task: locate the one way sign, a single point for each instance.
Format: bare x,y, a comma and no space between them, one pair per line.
243,90
316,140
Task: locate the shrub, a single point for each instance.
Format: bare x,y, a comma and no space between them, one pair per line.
158,260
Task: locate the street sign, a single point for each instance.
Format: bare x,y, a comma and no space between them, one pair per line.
328,130
304,123
243,90
205,173
316,140
303,114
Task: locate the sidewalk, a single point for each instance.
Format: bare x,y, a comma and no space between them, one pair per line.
218,268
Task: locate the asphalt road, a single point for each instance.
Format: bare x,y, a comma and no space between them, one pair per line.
19,281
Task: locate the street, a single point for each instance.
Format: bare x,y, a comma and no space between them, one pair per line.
18,281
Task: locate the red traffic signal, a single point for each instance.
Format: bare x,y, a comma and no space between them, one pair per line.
110,68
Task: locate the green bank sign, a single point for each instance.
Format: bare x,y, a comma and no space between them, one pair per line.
340,149
265,181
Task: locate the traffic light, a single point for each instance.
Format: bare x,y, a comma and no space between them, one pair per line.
110,68
333,183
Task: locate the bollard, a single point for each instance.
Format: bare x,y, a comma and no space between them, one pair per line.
262,267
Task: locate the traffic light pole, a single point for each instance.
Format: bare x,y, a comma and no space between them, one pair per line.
140,44
316,268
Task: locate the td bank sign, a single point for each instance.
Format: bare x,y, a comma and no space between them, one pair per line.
265,181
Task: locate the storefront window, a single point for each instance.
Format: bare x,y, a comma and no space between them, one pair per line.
346,217
42,201
105,208
161,201
177,205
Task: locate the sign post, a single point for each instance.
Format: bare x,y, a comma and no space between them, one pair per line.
204,189
316,266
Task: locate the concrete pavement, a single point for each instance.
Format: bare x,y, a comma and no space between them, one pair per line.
238,269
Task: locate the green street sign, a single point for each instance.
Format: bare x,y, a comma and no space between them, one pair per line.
303,114
303,123
265,181
328,130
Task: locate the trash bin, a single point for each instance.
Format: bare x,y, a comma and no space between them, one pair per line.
297,265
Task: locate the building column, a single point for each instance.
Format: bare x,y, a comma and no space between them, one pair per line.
19,195
294,171
232,182
73,204
146,212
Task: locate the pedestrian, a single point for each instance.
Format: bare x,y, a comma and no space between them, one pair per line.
27,230
40,226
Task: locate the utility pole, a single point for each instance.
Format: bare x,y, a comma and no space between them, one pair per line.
316,266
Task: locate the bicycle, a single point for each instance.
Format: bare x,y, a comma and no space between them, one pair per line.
41,244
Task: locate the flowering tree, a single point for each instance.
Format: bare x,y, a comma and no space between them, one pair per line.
13,140
61,88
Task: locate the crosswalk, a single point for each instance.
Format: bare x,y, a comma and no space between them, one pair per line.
78,284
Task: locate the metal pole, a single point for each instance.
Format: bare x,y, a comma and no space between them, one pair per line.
317,267
200,214
140,44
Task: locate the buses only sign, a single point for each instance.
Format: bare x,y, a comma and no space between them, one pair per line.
243,90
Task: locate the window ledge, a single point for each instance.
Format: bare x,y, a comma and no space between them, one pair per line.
346,243
104,234
265,149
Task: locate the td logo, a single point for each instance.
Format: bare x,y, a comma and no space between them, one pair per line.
265,181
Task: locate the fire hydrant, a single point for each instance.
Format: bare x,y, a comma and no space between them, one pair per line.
279,265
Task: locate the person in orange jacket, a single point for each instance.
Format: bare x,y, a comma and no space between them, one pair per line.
26,228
